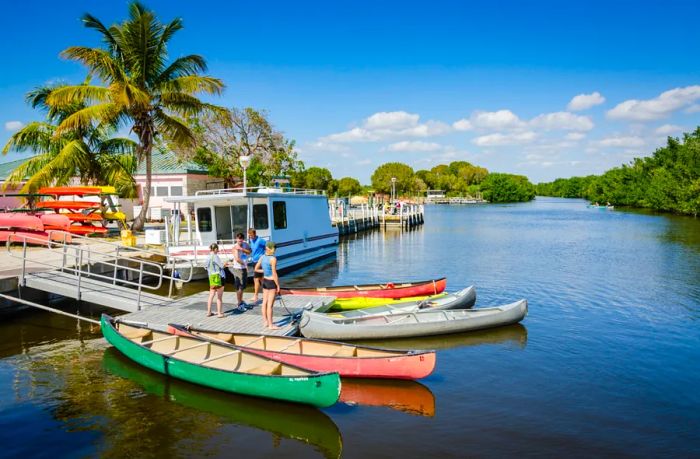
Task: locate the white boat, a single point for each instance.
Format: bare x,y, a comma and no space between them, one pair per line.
298,221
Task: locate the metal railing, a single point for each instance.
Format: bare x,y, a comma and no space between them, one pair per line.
260,189
79,259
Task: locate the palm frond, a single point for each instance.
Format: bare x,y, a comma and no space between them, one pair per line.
84,119
175,130
98,61
192,84
73,157
36,136
92,22
183,66
77,94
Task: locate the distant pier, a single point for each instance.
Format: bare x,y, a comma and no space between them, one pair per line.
353,219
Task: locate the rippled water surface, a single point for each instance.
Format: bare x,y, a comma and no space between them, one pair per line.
606,363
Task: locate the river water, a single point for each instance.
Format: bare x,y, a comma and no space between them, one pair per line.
607,363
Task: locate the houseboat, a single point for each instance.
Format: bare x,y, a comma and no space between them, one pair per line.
297,220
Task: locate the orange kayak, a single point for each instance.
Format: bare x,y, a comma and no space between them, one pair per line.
77,205
87,229
76,190
78,217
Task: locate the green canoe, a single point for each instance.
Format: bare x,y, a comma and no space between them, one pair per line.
220,366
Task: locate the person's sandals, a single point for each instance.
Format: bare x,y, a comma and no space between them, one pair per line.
220,316
209,314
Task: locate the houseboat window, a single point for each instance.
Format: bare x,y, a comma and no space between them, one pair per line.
161,191
239,214
175,191
279,214
223,223
260,220
204,219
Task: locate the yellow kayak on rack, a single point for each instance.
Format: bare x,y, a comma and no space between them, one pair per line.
359,302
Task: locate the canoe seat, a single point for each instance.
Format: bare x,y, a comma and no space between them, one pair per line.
224,337
135,334
267,368
346,351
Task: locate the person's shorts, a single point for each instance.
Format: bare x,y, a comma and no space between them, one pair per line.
257,275
239,278
269,284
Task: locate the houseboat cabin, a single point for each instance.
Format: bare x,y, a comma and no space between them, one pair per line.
298,221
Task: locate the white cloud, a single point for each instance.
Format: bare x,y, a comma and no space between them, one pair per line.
462,125
388,125
574,136
498,139
326,146
13,125
562,120
656,108
585,101
668,129
693,109
391,120
410,146
621,142
364,162
498,120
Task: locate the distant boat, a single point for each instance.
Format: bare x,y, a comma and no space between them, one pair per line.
423,323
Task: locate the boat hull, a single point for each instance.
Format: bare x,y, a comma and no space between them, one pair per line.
350,304
388,290
320,390
424,323
402,365
21,221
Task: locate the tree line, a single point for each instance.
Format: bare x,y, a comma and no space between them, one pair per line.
668,180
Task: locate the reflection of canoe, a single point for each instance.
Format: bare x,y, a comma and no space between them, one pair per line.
77,190
347,360
463,299
402,325
72,205
362,302
388,290
407,396
511,335
21,221
297,422
219,366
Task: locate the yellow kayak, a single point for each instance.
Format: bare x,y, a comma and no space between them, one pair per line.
359,302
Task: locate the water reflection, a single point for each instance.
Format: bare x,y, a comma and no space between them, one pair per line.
511,335
406,396
296,422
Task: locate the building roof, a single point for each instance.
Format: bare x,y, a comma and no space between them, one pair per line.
8,167
163,164
168,163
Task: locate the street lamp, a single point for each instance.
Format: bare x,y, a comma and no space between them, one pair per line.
244,160
393,189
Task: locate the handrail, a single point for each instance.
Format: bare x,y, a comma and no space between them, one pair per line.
83,254
259,189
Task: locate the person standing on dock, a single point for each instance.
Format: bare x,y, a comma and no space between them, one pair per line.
257,250
217,274
238,269
267,265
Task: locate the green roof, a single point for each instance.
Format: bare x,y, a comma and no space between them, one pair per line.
168,163
6,168
163,163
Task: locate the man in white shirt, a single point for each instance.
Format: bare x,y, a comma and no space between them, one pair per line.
238,269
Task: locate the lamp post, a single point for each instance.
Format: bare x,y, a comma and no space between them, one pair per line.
244,160
393,190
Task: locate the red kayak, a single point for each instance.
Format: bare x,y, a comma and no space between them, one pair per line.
68,205
55,221
388,290
33,237
87,229
348,360
71,190
78,217
21,221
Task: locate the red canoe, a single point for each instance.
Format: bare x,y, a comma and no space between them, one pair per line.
21,221
348,360
388,290
55,221
33,237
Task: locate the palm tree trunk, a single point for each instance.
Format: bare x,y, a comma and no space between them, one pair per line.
146,191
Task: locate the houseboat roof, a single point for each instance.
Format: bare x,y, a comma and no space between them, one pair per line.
251,192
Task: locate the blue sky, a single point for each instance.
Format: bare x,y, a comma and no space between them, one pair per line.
544,89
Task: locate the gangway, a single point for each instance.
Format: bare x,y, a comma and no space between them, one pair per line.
100,272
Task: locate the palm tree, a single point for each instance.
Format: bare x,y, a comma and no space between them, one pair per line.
139,88
89,153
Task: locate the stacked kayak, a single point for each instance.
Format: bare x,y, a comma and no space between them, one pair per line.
325,356
408,324
85,207
388,290
34,229
221,366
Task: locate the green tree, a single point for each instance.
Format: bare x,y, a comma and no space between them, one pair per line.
222,138
139,89
498,187
89,153
381,178
348,186
315,178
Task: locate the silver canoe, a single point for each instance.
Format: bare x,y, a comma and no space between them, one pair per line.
463,299
402,325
